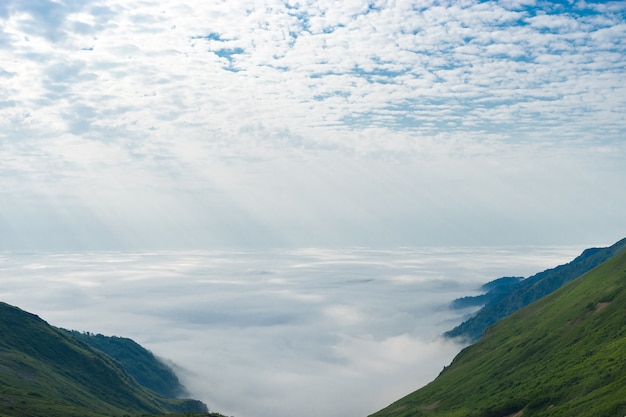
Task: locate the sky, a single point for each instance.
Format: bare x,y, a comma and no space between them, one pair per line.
166,125
275,333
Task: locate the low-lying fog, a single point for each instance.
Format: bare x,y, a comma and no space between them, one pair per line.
309,332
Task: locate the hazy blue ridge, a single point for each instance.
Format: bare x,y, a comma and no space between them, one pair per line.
496,289
502,300
139,362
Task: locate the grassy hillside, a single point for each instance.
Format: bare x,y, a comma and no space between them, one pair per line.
564,355
137,361
44,371
502,301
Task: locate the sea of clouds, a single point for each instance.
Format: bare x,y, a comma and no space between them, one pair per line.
275,333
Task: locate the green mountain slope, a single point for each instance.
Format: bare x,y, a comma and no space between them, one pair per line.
564,355
44,371
503,301
137,361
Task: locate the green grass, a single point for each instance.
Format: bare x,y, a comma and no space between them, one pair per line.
44,371
564,355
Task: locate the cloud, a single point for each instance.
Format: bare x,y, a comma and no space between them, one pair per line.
143,118
270,63
275,333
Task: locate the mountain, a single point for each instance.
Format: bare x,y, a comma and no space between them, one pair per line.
137,361
564,355
45,371
505,296
496,290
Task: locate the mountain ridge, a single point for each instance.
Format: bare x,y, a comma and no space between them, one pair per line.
563,355
46,371
138,361
501,302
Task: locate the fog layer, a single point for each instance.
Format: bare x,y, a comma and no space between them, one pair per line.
275,333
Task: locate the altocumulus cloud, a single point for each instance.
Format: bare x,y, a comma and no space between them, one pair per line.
275,333
169,125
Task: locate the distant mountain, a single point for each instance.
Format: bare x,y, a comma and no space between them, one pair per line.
505,296
496,290
137,361
45,371
562,356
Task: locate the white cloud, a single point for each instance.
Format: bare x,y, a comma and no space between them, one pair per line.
159,51
181,123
